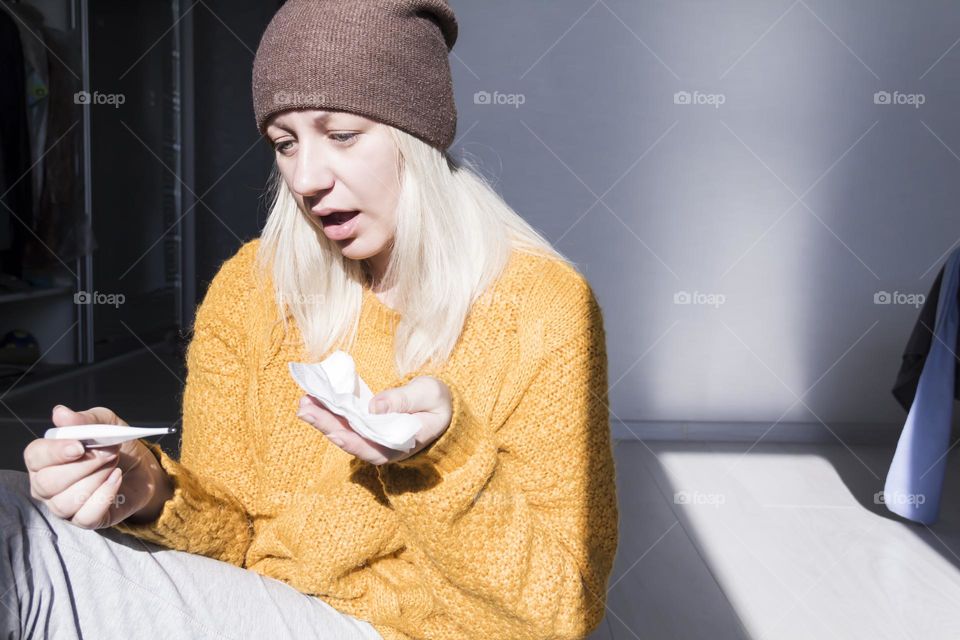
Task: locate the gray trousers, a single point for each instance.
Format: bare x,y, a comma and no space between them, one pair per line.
60,581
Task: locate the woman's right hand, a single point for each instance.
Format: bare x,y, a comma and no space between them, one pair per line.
101,486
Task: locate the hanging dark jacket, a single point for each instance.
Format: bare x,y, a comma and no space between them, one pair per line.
918,346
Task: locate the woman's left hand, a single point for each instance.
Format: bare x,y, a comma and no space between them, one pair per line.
425,397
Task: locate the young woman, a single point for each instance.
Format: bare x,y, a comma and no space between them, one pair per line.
280,520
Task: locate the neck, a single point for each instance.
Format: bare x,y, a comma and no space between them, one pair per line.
376,267
374,278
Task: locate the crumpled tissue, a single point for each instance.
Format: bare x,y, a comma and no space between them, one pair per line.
336,383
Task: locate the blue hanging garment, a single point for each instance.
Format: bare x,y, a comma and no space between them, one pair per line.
915,478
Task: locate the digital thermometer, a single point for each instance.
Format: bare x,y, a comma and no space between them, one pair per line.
104,435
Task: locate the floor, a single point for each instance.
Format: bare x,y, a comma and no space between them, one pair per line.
717,540
778,542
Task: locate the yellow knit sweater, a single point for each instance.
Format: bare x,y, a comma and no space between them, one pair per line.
505,527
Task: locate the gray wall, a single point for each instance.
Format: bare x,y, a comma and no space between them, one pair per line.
797,199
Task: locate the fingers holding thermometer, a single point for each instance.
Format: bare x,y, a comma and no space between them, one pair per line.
67,488
78,468
67,477
56,470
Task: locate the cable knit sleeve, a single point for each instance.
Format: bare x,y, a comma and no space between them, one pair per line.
206,513
519,513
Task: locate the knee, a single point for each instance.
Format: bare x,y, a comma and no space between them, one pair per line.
14,493
15,481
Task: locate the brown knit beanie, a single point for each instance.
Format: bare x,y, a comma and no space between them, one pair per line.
382,59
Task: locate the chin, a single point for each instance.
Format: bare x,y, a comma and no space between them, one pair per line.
356,249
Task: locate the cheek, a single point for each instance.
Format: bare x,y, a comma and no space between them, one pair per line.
287,176
380,180
285,168
377,229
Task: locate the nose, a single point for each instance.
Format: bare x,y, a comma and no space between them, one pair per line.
312,173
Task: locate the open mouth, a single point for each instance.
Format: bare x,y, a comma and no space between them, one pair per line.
338,218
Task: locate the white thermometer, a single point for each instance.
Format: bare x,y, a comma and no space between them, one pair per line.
104,435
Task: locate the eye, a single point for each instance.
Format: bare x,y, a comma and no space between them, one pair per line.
343,136
282,146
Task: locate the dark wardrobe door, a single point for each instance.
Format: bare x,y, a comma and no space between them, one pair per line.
136,135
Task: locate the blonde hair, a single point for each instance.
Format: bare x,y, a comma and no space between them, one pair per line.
454,236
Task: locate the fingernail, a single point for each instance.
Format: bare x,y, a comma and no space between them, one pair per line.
75,449
380,406
306,417
336,441
114,476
